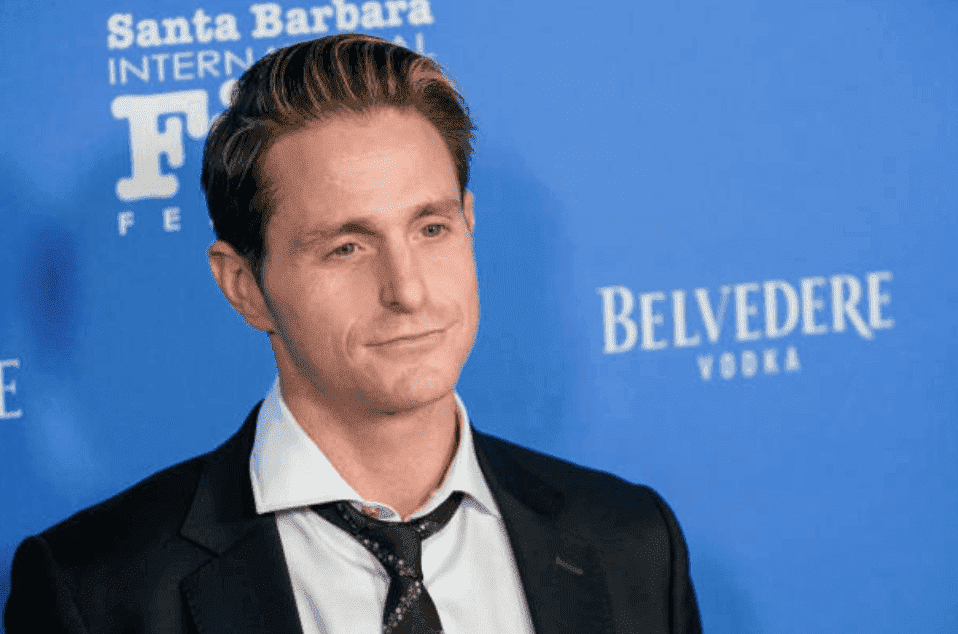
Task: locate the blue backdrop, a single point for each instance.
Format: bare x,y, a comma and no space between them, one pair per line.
715,250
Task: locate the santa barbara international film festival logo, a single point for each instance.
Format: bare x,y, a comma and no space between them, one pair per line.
175,51
765,339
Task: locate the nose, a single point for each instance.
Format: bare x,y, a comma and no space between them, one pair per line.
402,287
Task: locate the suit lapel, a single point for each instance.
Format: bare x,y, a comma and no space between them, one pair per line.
561,573
245,587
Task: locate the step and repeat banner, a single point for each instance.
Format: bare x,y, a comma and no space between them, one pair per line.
716,256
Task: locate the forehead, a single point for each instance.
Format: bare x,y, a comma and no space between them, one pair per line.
387,160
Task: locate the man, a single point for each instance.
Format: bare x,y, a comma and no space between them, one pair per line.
356,497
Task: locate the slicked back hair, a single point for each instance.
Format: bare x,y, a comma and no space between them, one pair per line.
308,82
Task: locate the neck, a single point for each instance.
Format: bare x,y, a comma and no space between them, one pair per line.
397,459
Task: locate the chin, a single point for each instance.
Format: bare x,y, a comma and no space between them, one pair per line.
411,391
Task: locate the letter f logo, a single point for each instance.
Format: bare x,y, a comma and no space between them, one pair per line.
147,142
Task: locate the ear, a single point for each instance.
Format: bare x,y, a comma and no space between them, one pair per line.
467,213
237,283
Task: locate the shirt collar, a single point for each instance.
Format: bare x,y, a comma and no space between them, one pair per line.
288,470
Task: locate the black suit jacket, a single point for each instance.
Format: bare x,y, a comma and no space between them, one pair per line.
185,551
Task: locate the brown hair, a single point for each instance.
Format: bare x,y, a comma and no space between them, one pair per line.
306,82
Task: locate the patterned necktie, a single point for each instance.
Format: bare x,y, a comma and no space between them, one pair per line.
398,547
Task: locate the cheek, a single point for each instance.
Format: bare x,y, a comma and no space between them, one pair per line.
466,274
459,281
298,305
332,311
456,265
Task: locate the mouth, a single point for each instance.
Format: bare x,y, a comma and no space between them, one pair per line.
410,339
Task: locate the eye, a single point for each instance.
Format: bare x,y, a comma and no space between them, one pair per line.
344,251
431,231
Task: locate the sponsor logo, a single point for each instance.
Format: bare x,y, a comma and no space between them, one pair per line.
746,313
148,53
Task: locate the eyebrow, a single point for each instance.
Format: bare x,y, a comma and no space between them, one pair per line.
448,208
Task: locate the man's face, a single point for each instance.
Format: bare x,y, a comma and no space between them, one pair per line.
369,273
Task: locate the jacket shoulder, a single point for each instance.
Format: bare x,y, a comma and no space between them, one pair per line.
142,517
626,530
118,564
595,500
111,564
146,517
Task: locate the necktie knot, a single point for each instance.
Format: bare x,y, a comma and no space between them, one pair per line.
398,547
404,543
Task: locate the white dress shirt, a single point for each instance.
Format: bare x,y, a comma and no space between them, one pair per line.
340,588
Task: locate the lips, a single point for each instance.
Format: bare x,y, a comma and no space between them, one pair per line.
410,338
